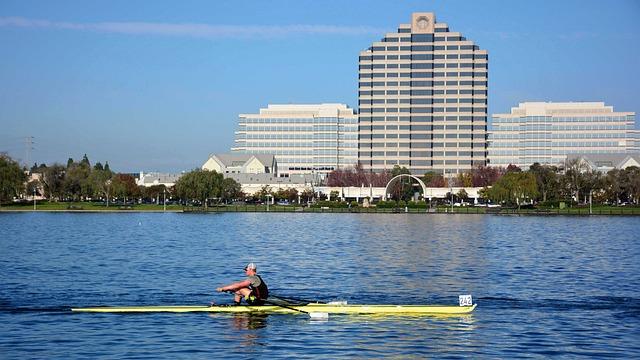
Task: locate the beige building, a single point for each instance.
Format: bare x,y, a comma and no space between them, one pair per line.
546,132
606,162
305,139
241,164
423,100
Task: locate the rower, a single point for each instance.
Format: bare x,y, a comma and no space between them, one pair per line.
253,289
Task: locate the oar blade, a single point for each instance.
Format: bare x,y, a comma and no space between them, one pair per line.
319,316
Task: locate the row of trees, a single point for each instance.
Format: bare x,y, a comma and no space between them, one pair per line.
576,183
79,181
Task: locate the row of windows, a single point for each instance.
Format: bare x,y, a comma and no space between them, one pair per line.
298,137
437,30
317,120
421,66
421,84
423,75
420,127
554,152
422,154
424,101
423,118
423,145
426,66
423,57
421,163
596,135
258,144
549,119
423,38
288,129
424,110
424,92
519,144
421,136
424,48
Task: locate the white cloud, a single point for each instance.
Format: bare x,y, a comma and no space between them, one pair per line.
193,30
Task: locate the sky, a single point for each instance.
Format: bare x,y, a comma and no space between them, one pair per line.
158,85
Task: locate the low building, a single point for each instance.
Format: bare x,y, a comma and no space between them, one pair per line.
606,162
305,138
546,132
156,178
242,164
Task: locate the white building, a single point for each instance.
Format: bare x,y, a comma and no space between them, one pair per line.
605,162
546,132
155,178
242,164
305,139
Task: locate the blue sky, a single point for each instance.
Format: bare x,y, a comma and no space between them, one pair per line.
157,85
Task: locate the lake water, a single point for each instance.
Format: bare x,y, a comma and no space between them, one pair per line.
545,286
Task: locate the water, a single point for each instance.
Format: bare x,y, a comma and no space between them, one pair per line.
546,286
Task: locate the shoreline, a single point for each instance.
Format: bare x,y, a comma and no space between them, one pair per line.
388,211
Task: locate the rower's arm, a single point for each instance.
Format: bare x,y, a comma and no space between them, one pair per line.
235,286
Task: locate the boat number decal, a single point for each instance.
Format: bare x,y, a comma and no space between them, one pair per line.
465,300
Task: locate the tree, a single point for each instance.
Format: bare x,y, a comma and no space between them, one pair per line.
200,185
231,189
263,192
85,161
486,175
576,178
12,178
465,179
462,195
547,180
76,181
53,181
307,195
432,179
153,192
513,188
100,181
124,187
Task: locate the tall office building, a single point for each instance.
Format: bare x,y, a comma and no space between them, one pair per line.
423,100
546,132
305,139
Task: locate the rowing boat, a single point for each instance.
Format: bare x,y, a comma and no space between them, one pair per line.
292,309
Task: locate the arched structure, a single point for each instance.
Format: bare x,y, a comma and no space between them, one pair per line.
395,178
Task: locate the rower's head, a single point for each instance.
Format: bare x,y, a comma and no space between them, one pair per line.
250,268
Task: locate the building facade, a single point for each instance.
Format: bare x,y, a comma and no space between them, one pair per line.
606,162
241,164
422,98
546,132
305,139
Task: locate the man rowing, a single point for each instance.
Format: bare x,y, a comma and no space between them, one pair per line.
253,289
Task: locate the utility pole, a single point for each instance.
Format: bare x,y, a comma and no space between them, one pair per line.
28,146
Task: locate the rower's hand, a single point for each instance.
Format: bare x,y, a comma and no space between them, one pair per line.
219,290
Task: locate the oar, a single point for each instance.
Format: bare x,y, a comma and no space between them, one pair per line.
312,315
